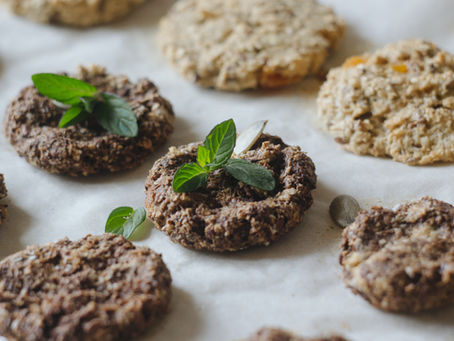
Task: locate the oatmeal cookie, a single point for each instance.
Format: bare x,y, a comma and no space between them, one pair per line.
397,102
3,194
82,13
228,215
236,44
402,260
31,125
97,288
274,334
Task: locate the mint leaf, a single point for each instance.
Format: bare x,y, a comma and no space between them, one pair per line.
203,156
117,219
88,103
116,116
137,218
251,174
189,178
63,89
124,221
73,116
220,142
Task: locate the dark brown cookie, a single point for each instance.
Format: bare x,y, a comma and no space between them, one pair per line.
31,125
274,334
3,194
96,288
228,215
402,260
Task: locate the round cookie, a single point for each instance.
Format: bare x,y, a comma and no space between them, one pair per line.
3,194
402,260
97,288
275,334
82,13
397,102
235,44
31,125
228,215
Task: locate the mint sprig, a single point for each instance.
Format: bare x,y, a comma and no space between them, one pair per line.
215,153
112,112
124,221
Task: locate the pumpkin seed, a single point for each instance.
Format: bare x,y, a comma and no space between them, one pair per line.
248,137
344,209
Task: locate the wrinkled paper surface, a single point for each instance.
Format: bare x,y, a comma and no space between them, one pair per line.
295,283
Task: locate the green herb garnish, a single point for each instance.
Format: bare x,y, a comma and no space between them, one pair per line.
124,221
112,112
216,153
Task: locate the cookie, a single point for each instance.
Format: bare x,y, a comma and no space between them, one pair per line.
402,260
274,334
96,288
228,215
31,125
397,102
3,194
235,45
81,13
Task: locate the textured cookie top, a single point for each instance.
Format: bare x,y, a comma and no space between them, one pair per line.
397,102
402,260
240,44
31,125
228,215
3,194
73,12
274,334
96,288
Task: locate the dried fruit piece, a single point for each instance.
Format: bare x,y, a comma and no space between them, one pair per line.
402,68
353,61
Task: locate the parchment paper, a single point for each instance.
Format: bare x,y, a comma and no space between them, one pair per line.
296,282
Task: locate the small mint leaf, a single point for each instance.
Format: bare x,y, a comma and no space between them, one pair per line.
63,89
203,156
116,116
251,174
220,142
73,116
189,178
124,221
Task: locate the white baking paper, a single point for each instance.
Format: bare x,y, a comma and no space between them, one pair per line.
295,283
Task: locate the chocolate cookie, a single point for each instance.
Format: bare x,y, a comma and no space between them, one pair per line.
96,288
82,13
402,260
228,215
274,334
31,125
235,45
397,102
3,194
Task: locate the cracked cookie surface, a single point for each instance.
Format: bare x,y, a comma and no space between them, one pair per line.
402,260
235,44
228,215
97,288
3,194
397,102
31,126
82,13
